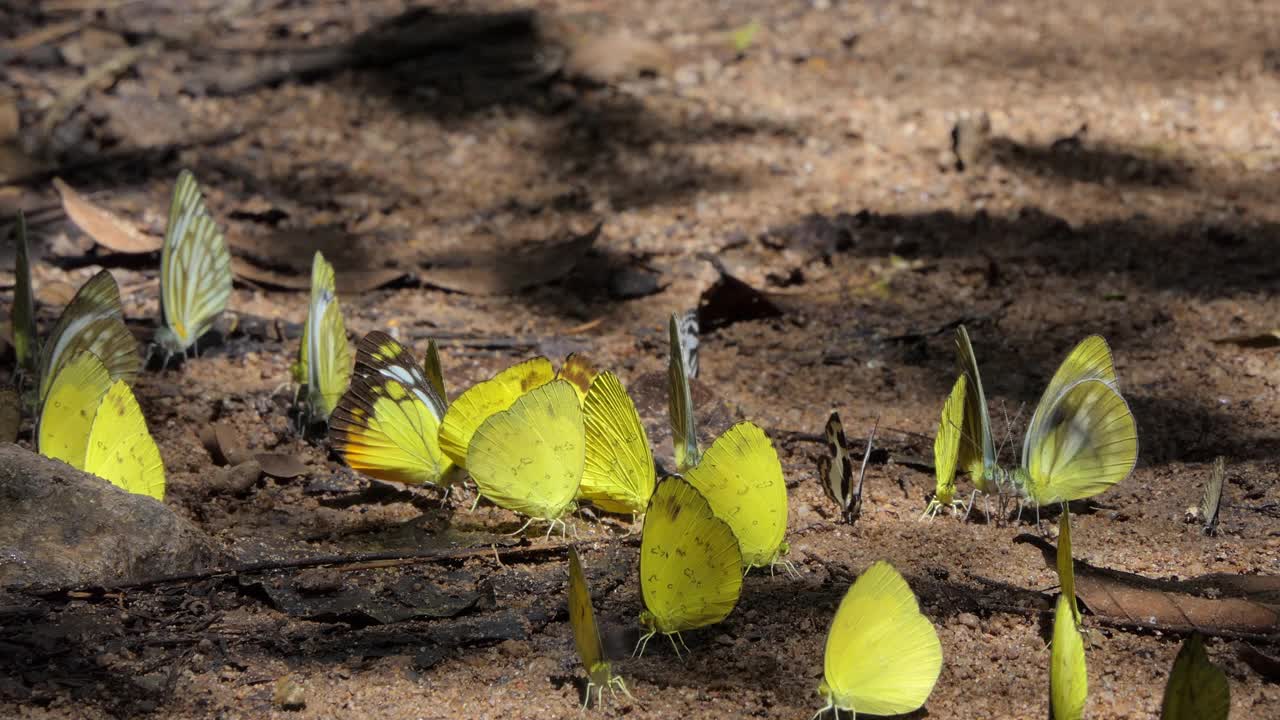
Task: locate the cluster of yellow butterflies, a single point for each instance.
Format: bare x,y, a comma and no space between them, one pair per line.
540,441
77,382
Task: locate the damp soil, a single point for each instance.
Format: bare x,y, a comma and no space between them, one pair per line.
1123,184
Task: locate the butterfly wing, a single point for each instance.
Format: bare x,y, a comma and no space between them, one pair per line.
1066,565
619,473
1085,442
684,433
687,329
1091,358
483,399
195,269
435,371
1211,501
1197,688
384,429
835,469
1068,676
328,359
92,322
66,416
579,371
121,449
741,477
946,446
26,345
690,563
586,635
882,656
529,458
977,449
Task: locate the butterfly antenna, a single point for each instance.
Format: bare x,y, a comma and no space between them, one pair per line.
866,455
526,524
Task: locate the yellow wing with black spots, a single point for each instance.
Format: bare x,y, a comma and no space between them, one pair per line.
690,562
485,398
121,449
67,414
741,477
529,458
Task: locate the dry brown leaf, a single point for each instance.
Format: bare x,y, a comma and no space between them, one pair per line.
281,465
1133,600
348,281
224,444
105,227
513,270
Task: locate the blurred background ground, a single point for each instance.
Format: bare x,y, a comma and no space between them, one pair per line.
1119,177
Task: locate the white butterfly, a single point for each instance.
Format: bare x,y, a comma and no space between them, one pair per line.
195,270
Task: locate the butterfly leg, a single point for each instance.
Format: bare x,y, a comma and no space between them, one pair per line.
586,696
524,527
642,644
622,685
673,637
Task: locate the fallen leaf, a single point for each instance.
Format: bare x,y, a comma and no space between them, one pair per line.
105,227
224,444
731,300
369,595
281,465
511,270
1132,600
347,281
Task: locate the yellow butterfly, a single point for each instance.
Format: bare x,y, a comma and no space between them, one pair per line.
1068,676
1082,438
22,319
1197,688
92,322
386,425
741,477
684,433
946,447
619,476
1066,565
434,369
195,270
690,563
883,656
586,636
529,458
324,359
485,398
94,424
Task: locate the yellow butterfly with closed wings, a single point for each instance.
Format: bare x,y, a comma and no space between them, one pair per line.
195,270
690,563
619,476
487,397
741,477
529,458
92,322
324,358
1197,689
882,655
586,636
387,423
94,424
946,448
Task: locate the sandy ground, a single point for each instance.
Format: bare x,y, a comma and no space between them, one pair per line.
1128,189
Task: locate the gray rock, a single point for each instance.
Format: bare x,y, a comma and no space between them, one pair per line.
62,528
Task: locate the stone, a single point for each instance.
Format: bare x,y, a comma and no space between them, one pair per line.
63,528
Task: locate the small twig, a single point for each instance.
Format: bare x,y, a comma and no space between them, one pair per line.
43,35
